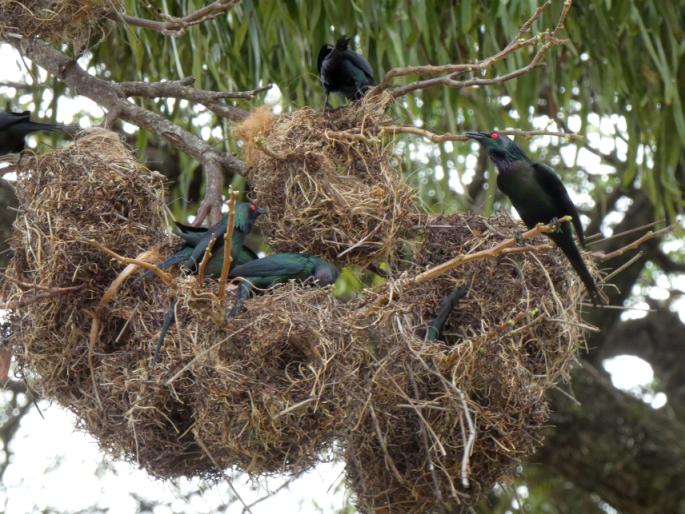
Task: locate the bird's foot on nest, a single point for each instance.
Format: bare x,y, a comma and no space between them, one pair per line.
556,224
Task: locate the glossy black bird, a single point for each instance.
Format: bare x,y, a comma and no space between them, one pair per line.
197,240
14,126
269,271
539,196
343,71
447,305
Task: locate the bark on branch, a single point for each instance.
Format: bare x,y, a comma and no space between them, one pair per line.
110,96
173,26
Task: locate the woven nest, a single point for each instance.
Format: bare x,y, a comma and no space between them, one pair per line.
514,336
335,196
61,21
297,373
264,392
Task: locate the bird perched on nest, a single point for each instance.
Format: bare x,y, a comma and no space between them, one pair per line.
275,269
197,240
343,71
539,196
15,126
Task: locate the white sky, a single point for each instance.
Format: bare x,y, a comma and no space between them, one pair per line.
55,466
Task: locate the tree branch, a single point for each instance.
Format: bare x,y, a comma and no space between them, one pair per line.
182,89
616,446
109,95
447,73
175,27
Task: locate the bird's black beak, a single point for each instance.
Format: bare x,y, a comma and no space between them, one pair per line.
260,210
476,135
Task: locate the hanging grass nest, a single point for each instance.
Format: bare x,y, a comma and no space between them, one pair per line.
330,192
60,21
263,392
442,422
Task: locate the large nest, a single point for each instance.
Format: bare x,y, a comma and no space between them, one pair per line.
441,423
329,193
61,21
263,392
422,425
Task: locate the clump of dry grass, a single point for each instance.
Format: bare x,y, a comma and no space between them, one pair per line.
422,426
60,21
263,392
328,194
442,422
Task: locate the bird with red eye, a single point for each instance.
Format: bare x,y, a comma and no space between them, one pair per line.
539,196
196,242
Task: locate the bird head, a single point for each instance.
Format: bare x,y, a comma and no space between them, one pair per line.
343,43
246,214
499,147
325,273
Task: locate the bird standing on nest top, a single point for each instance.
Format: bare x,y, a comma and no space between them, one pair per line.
343,71
539,196
15,126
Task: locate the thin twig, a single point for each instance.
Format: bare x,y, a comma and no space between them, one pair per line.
490,253
125,260
228,239
441,138
27,300
446,74
424,439
175,27
632,246
205,259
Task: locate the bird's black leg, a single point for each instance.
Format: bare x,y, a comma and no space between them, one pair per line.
240,297
169,319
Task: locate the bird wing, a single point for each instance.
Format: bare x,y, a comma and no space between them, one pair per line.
325,50
360,63
7,118
553,185
274,265
191,235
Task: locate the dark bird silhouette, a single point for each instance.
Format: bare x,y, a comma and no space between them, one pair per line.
269,271
434,330
14,127
539,196
196,241
343,71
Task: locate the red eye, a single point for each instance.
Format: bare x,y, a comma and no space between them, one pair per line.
494,135
253,207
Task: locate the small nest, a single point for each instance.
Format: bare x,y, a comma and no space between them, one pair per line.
60,21
335,196
264,392
514,336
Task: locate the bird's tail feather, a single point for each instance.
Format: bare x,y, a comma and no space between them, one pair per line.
573,255
446,307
